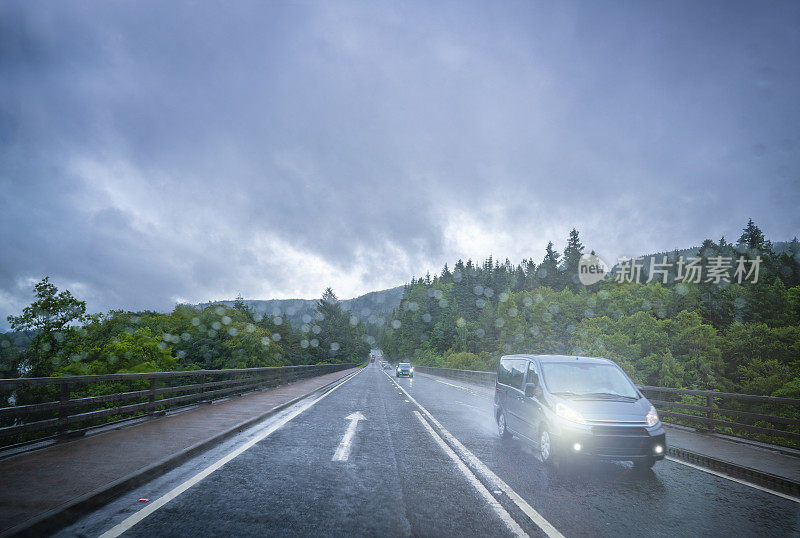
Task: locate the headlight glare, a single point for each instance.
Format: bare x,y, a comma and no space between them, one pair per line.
568,413
652,416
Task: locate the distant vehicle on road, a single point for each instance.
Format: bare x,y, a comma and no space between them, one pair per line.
387,366
576,407
404,369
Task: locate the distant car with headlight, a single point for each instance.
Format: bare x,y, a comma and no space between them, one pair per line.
404,369
576,406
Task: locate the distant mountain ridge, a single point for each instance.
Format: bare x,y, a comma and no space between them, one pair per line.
372,307
377,306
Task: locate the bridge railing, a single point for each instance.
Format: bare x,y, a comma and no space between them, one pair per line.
38,408
741,415
767,418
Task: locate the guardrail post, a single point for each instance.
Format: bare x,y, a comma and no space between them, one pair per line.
62,410
709,412
152,397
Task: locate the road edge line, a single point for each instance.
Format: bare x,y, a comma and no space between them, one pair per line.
720,474
62,516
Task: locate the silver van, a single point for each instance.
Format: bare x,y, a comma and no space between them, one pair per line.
576,406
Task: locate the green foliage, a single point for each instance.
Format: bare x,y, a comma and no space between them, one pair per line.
734,337
50,320
187,338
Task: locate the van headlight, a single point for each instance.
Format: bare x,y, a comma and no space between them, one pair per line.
569,413
652,416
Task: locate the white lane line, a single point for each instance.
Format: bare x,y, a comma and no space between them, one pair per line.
343,450
461,387
496,481
481,410
739,480
501,512
133,519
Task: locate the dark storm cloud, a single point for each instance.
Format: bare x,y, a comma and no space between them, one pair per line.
154,152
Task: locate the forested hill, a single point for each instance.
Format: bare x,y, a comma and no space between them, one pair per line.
706,333
372,307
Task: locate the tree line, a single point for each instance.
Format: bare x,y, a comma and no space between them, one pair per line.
724,336
55,336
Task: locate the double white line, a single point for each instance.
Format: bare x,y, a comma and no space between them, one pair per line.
467,462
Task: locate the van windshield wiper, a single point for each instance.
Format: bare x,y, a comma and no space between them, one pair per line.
608,395
566,394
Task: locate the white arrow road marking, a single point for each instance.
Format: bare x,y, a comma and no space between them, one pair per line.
343,450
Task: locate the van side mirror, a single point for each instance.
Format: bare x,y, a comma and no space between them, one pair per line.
531,389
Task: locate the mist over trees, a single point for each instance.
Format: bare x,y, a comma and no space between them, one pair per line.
726,336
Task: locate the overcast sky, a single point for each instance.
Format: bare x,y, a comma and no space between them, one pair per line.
155,152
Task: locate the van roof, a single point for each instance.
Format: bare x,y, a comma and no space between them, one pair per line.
558,358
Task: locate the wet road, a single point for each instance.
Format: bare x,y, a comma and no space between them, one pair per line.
425,460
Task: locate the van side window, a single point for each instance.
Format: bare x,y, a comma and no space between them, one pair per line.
504,372
518,373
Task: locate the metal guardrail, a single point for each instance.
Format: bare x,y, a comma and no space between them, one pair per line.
60,403
713,408
714,411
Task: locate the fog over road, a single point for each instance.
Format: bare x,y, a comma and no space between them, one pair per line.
411,466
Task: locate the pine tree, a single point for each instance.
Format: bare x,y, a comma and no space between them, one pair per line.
752,237
572,258
548,270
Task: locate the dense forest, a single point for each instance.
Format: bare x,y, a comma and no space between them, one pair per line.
55,336
740,337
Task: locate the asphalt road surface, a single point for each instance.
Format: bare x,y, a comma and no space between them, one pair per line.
425,460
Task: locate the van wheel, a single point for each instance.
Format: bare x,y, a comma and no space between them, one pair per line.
643,465
502,428
546,449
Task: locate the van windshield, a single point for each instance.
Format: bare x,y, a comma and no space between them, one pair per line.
587,379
